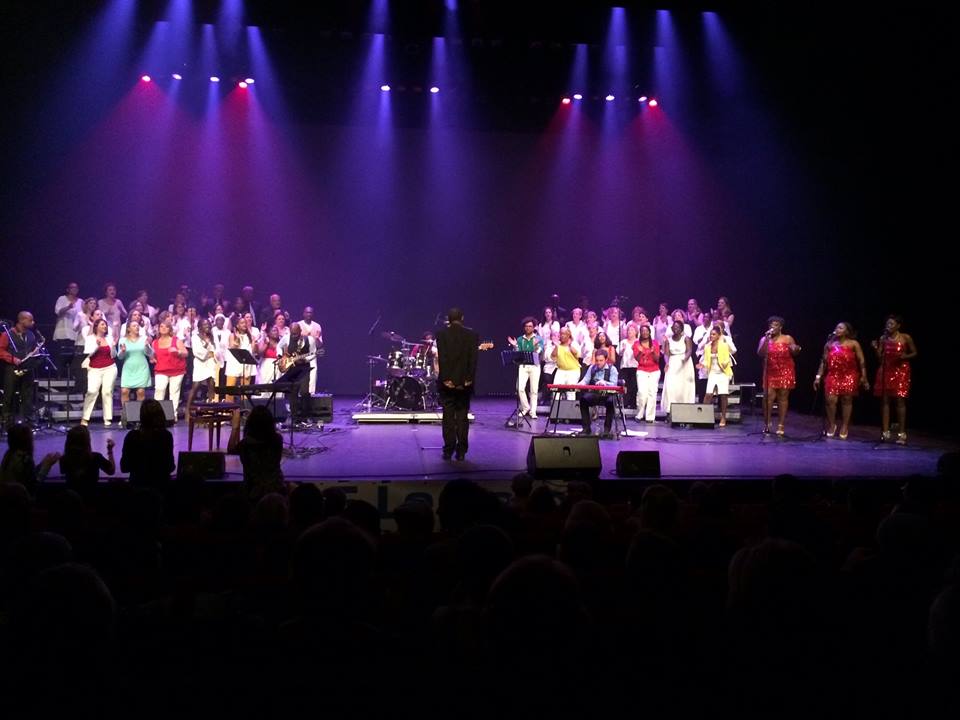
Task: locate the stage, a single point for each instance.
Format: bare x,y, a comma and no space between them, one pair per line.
347,451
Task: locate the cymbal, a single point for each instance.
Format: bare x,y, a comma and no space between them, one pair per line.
376,357
391,336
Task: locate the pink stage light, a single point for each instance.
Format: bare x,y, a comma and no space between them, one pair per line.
654,103
242,85
565,101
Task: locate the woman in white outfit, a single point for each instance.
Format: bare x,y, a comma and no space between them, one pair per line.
206,362
101,371
679,385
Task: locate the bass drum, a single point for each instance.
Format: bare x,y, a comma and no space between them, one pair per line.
406,393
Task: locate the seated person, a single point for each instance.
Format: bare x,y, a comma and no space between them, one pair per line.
599,373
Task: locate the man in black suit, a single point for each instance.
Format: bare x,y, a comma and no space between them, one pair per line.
457,348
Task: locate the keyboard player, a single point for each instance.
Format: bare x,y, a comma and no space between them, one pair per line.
599,373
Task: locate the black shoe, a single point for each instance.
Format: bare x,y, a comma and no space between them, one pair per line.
461,456
447,455
607,435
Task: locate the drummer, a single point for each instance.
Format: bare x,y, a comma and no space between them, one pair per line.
425,351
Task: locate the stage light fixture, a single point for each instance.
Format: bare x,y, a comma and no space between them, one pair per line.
653,103
214,78
177,76
434,90
642,98
609,98
577,96
249,81
242,85
565,101
385,88
145,78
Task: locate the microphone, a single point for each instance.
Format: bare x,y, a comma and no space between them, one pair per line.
831,336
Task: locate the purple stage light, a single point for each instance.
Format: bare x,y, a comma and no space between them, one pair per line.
214,78
434,89
249,81
642,98
385,88
577,96
177,76
609,98
145,78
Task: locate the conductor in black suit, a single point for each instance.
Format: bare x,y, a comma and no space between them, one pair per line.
457,348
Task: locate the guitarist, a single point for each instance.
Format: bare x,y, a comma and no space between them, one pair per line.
296,350
17,343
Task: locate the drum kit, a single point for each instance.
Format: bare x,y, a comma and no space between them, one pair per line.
410,382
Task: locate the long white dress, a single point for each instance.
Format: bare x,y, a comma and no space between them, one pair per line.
205,362
679,385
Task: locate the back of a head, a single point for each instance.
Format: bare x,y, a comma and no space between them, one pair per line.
534,611
415,520
34,553
334,501
15,511
542,501
455,314
152,418
587,536
786,488
270,513
260,424
306,505
522,485
908,537
659,508
943,627
364,515
772,585
653,559
77,443
20,438
332,564
463,503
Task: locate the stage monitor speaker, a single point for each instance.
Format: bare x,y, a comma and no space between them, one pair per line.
696,414
279,410
320,406
567,458
638,463
131,412
208,465
568,411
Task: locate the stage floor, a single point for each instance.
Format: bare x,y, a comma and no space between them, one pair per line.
347,451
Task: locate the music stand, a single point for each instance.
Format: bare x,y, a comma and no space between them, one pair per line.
290,378
245,358
516,358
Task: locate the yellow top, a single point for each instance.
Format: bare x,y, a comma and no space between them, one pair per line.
566,359
723,357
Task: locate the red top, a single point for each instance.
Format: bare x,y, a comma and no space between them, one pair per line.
169,361
646,361
270,352
101,357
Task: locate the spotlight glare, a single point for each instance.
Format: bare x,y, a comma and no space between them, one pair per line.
654,103
385,88
145,78
249,81
242,85
565,101
643,98
434,89
577,96
214,78
609,98
177,76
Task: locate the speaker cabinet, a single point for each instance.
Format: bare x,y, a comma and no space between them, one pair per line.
694,414
208,465
564,457
131,412
638,463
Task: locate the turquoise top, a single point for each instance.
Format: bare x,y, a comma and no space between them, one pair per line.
136,369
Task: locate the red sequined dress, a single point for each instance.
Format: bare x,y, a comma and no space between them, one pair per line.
893,375
843,371
780,370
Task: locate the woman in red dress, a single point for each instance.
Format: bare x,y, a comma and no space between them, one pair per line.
779,371
846,372
895,350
